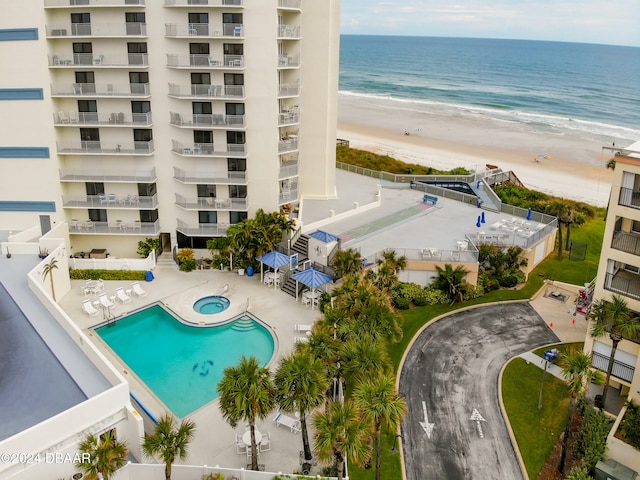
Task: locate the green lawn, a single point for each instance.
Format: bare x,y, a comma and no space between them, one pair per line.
536,431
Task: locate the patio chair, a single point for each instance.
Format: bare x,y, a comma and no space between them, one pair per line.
240,445
265,444
103,199
112,198
137,290
88,308
105,302
98,60
122,296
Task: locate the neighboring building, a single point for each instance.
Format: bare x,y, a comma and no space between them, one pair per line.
174,118
619,273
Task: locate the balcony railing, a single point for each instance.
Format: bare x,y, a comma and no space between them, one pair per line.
108,176
208,150
626,242
74,119
111,201
288,31
204,61
206,91
206,120
620,370
288,195
209,178
624,283
288,145
287,118
97,30
211,3
204,30
288,90
100,90
287,171
105,148
288,61
99,60
93,3
289,4
211,203
629,198
114,228
203,229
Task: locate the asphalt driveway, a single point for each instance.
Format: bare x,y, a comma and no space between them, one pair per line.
454,428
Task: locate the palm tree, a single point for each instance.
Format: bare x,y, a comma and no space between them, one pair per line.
48,270
396,263
246,394
382,406
560,210
340,432
169,442
364,359
451,281
301,384
615,319
346,261
577,372
101,456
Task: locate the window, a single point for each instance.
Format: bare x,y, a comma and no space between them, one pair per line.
237,217
82,53
233,79
236,138
148,216
146,189
138,77
94,188
200,79
233,49
140,107
85,77
185,241
635,226
202,108
207,217
206,191
237,191
90,134
198,24
135,22
137,53
96,215
141,139
198,18
237,164
80,24
234,108
231,18
88,110
202,136
199,53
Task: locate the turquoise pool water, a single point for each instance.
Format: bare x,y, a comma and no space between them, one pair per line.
182,364
211,305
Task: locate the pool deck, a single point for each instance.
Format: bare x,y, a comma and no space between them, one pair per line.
214,442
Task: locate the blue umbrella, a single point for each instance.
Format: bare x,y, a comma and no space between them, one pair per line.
274,259
529,214
478,222
312,278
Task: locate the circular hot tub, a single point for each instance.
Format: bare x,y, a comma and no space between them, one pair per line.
211,305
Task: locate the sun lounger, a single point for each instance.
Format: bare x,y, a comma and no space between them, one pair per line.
290,422
88,308
122,296
303,328
105,302
137,290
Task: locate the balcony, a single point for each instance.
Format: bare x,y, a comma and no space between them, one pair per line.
96,30
289,31
626,242
204,3
222,92
288,61
288,195
120,119
620,370
288,90
114,228
208,150
623,282
289,144
288,170
211,203
203,229
288,118
99,61
225,62
193,177
105,148
629,198
111,201
204,30
108,176
92,3
98,90
195,120
292,4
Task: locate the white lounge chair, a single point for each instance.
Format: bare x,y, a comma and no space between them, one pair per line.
122,296
105,302
88,308
303,328
137,290
292,423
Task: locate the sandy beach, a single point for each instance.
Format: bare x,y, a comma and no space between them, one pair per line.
575,166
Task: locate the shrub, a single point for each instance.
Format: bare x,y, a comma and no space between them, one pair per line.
402,303
145,246
407,290
433,296
420,301
218,260
185,254
508,281
213,476
579,472
630,426
76,274
188,265
325,299
590,442
473,292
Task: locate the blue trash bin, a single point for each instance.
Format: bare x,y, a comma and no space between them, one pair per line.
249,271
148,276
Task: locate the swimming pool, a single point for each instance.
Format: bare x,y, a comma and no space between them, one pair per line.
183,364
212,304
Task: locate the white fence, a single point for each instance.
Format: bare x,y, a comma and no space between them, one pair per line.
109,263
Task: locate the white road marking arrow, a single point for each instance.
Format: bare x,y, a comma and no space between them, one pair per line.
428,427
475,416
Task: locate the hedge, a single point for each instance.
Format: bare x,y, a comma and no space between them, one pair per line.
77,274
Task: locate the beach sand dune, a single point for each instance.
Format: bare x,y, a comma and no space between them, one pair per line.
575,166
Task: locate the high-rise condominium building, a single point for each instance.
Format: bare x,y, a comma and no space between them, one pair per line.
174,118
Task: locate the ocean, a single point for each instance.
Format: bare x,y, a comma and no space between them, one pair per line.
554,87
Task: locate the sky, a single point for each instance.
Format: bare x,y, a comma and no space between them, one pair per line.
612,22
